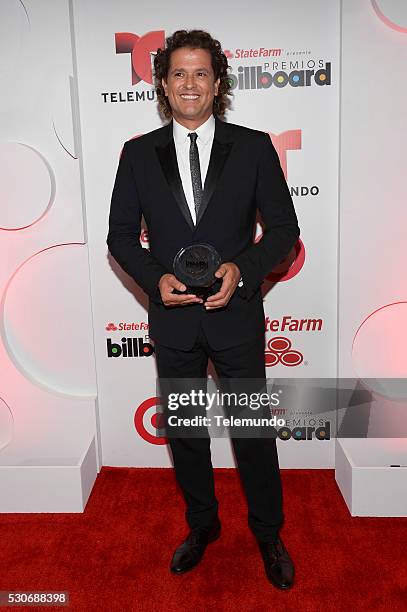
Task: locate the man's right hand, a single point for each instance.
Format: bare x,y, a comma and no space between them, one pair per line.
167,283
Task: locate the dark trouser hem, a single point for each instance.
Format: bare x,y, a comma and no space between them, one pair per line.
202,519
265,533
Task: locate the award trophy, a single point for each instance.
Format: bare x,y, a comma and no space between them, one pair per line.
195,266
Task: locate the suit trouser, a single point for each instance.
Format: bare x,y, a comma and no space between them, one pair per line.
256,458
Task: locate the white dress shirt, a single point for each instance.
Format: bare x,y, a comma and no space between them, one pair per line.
204,142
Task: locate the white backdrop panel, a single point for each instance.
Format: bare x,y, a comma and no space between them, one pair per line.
112,110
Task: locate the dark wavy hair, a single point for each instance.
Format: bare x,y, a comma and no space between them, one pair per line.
194,39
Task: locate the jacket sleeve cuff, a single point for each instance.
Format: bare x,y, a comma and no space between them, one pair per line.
248,287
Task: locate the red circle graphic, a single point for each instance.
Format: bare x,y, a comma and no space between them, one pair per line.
291,358
279,344
155,420
270,358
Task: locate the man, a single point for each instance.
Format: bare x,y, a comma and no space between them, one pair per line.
199,179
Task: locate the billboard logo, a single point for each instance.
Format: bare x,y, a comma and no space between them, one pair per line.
254,77
280,351
305,433
129,347
142,50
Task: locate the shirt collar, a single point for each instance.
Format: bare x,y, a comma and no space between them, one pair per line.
205,131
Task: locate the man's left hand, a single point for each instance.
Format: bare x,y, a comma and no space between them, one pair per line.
230,275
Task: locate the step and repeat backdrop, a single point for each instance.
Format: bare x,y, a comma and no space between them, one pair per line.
284,65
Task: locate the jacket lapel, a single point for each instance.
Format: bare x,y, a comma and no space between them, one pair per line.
219,154
168,160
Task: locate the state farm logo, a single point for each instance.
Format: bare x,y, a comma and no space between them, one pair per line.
147,421
290,324
142,50
280,351
125,326
259,52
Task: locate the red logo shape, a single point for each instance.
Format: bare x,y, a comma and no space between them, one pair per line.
144,236
290,266
290,140
111,327
156,420
280,352
142,50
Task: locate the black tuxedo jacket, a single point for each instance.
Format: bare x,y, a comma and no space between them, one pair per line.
244,175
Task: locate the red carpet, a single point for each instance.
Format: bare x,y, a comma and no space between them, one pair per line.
115,556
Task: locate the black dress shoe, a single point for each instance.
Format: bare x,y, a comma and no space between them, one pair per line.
277,563
191,551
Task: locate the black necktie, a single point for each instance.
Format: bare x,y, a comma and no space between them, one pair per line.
195,171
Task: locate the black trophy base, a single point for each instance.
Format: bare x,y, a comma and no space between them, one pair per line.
195,266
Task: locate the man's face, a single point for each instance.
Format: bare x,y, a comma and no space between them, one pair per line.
191,86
